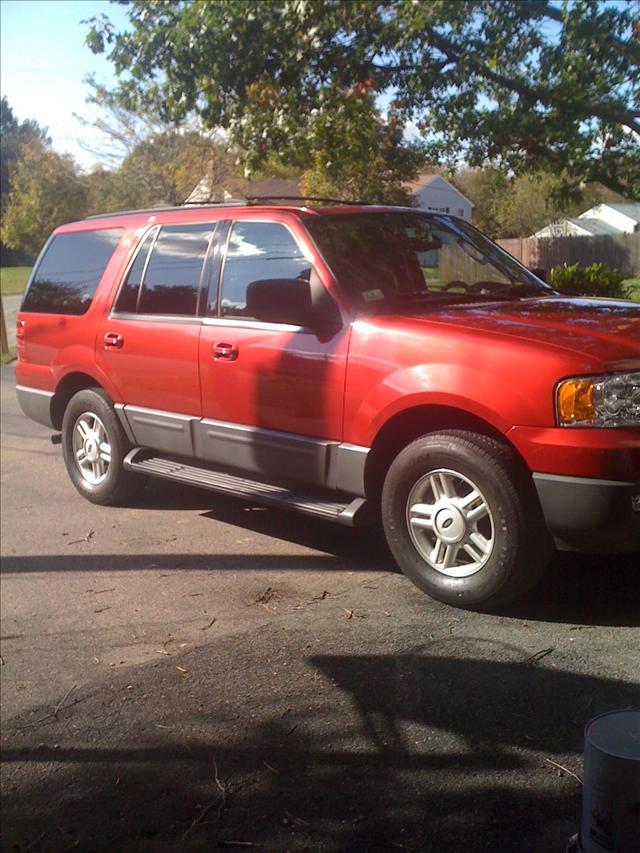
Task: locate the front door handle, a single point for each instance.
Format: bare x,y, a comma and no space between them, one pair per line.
113,340
223,351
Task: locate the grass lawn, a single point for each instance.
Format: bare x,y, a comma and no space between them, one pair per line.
13,280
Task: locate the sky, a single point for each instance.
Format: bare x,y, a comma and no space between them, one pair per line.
43,62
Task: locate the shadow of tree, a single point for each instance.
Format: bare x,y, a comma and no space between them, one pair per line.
424,750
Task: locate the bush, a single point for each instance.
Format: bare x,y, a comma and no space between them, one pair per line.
595,280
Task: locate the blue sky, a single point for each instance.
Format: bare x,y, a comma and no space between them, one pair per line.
43,62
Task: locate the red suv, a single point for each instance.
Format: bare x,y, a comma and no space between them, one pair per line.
349,362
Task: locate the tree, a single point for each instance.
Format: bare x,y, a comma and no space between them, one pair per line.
163,169
487,189
46,191
527,86
355,154
150,160
14,135
519,206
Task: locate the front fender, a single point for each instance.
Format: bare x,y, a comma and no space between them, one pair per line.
474,390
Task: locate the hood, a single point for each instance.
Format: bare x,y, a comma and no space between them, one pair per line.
604,329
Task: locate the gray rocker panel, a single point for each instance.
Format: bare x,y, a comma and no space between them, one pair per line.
270,453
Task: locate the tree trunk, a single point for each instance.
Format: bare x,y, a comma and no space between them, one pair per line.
4,342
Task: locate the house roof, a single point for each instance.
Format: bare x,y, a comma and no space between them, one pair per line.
594,226
426,178
627,208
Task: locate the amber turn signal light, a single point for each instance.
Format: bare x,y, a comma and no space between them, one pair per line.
575,400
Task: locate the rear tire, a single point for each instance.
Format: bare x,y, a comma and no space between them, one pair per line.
463,521
94,446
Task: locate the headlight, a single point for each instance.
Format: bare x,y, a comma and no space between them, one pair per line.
599,401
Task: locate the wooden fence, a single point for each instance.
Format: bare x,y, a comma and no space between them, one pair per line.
620,251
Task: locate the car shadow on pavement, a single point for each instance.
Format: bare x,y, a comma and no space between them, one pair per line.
584,589
578,590
425,750
177,562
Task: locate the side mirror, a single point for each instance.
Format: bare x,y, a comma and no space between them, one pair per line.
289,300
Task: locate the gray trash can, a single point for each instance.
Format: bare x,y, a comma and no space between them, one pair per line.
611,790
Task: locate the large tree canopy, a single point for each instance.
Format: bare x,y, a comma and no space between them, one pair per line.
45,192
15,134
526,85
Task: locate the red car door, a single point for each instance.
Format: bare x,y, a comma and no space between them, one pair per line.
148,343
272,389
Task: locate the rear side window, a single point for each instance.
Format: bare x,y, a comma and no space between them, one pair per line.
171,282
168,281
70,270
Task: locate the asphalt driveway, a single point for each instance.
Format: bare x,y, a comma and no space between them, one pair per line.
195,672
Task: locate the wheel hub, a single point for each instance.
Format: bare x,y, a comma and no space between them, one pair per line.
449,525
91,448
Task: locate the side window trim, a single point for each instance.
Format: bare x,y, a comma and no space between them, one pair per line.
143,237
224,248
152,246
209,298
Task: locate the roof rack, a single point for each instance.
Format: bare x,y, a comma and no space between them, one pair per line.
260,199
228,202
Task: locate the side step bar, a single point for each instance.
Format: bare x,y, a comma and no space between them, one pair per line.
352,513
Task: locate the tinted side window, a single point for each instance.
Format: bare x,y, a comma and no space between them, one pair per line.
172,280
128,297
68,274
258,254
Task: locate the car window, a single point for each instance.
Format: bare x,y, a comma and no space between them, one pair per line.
383,258
127,301
260,256
67,276
171,282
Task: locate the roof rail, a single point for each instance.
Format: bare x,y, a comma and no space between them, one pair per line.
229,202
260,199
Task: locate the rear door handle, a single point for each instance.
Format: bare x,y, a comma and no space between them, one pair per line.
113,340
223,351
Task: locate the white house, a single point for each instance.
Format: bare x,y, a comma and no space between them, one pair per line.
436,194
608,218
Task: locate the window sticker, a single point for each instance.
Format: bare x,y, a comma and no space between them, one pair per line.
372,295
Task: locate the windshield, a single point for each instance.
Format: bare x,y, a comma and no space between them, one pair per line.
385,258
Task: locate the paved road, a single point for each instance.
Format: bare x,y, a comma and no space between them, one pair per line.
193,671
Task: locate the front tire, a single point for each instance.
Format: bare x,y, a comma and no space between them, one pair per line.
462,521
94,446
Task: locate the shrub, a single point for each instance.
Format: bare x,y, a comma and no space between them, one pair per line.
594,280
